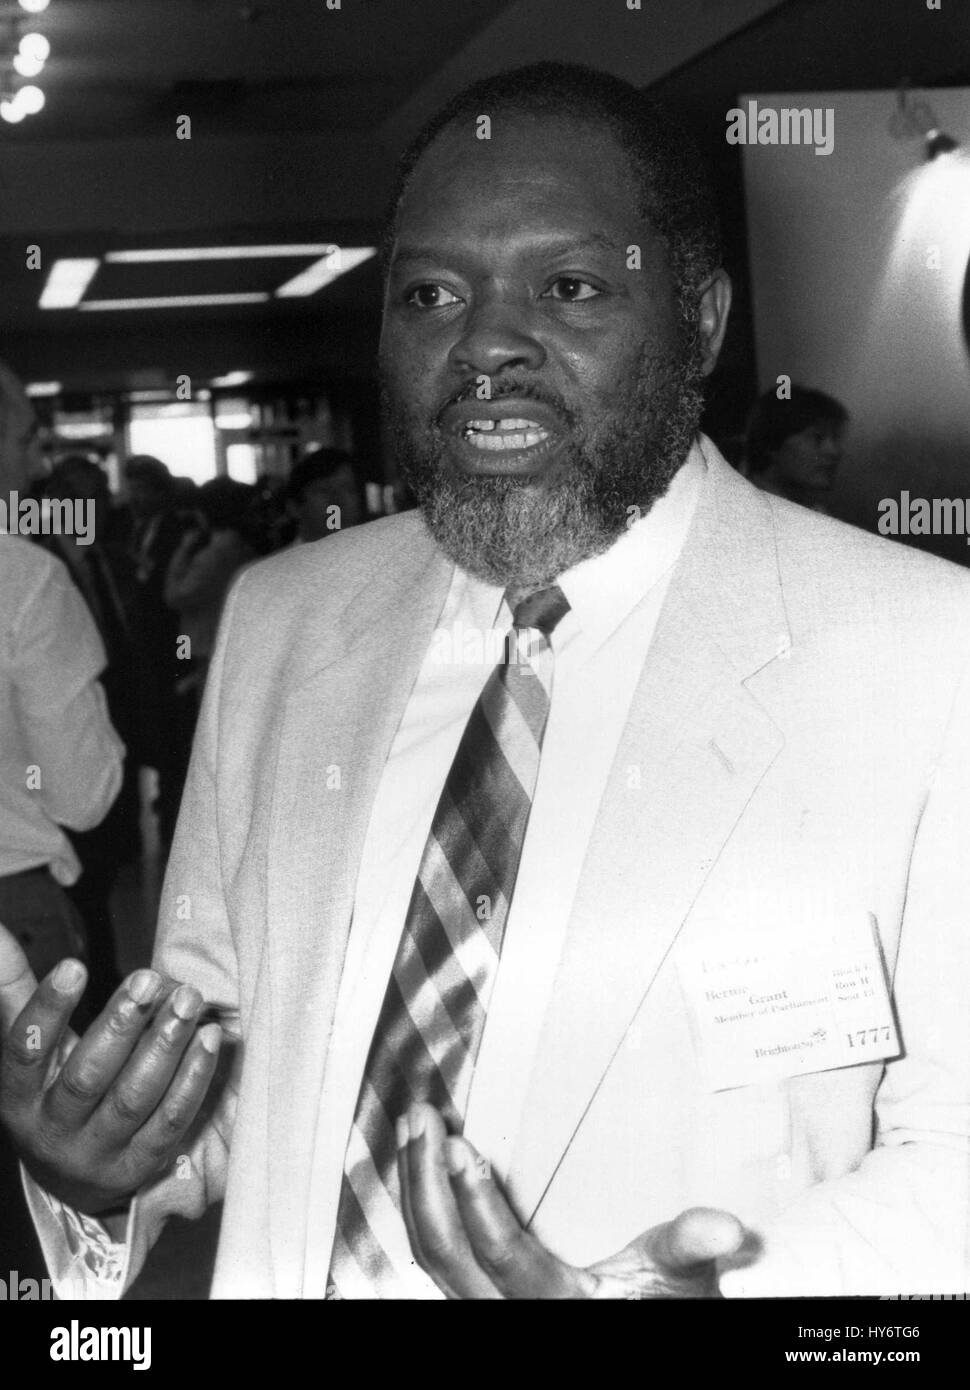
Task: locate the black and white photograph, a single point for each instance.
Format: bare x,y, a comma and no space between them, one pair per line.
484,667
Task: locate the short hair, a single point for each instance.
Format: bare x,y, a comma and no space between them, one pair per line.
773,420
229,505
675,194
317,466
144,468
71,467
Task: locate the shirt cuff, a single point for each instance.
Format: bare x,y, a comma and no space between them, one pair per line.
82,1260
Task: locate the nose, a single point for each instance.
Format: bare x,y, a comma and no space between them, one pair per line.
496,334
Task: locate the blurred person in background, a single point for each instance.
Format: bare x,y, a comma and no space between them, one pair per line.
228,531
159,521
104,576
60,758
794,445
324,495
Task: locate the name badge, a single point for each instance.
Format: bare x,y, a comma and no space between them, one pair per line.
761,1009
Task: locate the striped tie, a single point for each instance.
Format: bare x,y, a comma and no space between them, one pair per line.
431,1022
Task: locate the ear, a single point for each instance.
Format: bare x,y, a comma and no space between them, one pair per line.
714,308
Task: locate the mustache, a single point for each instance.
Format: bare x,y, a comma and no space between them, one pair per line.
509,386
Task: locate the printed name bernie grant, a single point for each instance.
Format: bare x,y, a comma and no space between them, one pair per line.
714,994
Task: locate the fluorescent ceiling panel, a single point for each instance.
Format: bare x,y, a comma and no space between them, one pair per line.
174,301
337,262
218,253
67,281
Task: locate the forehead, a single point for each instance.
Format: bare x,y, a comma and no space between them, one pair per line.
558,174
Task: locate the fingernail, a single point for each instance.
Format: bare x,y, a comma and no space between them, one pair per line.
186,1002
416,1121
457,1158
403,1132
211,1037
67,976
144,986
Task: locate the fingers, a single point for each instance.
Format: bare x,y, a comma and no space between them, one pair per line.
157,1140
131,1064
516,1263
37,1029
17,982
697,1237
434,1227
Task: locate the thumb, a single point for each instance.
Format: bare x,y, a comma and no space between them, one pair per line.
17,981
697,1236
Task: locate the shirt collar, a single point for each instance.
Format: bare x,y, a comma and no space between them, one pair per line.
604,589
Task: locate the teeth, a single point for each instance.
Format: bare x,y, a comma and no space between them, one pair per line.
510,423
507,439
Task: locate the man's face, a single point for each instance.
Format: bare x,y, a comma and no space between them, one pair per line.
510,268
810,459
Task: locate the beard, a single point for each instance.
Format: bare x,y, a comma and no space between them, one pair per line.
508,533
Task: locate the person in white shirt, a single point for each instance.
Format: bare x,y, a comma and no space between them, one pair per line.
60,758
477,903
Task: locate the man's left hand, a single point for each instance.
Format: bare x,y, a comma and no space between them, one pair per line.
466,1237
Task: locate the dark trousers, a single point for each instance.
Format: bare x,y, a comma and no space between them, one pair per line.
39,913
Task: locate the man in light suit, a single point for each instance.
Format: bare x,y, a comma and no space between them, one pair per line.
754,753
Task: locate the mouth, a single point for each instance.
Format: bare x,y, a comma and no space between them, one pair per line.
509,434
502,437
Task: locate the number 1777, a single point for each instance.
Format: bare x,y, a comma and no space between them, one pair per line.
868,1037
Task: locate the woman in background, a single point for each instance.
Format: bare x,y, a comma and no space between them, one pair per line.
793,445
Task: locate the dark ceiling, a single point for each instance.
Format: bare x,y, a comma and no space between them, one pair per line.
298,112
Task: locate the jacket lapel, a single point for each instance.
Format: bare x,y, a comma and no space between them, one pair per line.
337,728
696,744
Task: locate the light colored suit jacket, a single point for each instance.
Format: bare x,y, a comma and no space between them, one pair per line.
802,738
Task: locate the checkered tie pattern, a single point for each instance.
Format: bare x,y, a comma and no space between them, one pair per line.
430,1026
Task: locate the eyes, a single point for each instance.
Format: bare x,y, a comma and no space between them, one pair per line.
430,297
565,289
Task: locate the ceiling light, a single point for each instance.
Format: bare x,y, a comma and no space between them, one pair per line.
216,253
914,118
337,262
26,66
234,420
231,379
67,281
82,429
36,389
35,46
32,99
11,111
175,301
34,6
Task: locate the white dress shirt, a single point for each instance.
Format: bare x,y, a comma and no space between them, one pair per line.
60,758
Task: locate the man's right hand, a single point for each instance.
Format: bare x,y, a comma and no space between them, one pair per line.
94,1118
